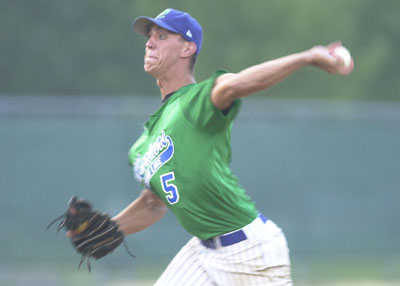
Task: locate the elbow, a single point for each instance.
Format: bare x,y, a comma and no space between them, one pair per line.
158,206
154,203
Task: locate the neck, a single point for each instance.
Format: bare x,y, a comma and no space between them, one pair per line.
174,81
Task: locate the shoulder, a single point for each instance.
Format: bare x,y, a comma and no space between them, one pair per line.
223,92
206,85
198,108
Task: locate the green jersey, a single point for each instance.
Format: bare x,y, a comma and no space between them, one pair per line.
183,157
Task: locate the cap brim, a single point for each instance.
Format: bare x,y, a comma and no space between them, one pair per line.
141,25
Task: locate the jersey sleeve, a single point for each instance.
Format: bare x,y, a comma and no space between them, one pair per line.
201,112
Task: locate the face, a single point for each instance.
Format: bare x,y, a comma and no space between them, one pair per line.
163,50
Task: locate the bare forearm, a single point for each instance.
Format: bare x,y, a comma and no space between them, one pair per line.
229,87
256,78
141,213
267,74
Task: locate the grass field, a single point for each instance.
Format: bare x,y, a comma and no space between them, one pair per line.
346,272
53,277
341,283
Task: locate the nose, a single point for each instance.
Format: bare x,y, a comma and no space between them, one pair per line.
150,43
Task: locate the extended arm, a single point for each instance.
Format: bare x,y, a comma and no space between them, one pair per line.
229,87
141,213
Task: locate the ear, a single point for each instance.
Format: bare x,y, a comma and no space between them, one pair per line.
189,49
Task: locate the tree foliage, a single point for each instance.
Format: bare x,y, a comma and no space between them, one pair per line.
88,47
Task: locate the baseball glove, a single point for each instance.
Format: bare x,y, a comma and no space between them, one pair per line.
94,233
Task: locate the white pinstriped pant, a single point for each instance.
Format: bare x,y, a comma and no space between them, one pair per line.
261,259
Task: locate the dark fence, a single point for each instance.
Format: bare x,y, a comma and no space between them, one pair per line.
326,172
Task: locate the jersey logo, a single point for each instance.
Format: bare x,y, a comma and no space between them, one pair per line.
158,153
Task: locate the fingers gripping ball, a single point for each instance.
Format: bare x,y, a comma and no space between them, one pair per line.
344,54
94,234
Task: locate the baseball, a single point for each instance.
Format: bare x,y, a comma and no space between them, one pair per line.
344,54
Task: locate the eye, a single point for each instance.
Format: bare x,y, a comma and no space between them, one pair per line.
162,36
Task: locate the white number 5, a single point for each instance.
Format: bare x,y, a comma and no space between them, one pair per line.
170,189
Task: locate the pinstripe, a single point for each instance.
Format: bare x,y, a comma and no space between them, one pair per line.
185,269
260,260
192,273
195,276
183,261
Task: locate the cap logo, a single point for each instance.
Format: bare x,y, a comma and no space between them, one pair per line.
189,34
163,13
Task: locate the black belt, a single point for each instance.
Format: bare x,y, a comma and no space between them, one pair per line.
230,238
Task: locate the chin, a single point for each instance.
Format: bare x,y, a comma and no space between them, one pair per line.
150,71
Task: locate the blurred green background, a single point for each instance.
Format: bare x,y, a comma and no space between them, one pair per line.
318,153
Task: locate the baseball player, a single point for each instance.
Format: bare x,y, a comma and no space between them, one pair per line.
182,160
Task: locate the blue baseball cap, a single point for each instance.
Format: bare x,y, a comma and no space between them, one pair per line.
174,21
